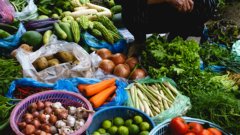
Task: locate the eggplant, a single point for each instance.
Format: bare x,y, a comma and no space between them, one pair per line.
40,23
44,29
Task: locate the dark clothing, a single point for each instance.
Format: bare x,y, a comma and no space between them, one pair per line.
141,18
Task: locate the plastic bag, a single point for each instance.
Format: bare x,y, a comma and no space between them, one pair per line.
12,42
28,13
179,107
54,73
93,42
6,11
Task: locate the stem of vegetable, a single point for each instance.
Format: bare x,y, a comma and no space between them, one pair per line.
167,92
173,89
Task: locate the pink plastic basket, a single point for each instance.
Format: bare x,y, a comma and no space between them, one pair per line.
66,98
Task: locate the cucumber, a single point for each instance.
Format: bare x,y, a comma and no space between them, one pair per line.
59,32
68,19
67,29
4,34
46,36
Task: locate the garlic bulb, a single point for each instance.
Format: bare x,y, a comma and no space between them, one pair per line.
71,121
57,105
72,110
60,124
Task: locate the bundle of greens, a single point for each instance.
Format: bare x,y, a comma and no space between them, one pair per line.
161,58
216,100
10,70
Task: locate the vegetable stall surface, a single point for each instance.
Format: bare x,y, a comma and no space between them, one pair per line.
52,118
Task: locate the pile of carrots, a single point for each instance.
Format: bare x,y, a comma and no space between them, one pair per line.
99,93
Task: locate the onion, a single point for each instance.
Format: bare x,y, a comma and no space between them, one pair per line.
22,125
48,104
40,105
107,66
132,62
32,107
118,58
28,117
138,74
48,110
53,119
122,70
38,132
30,129
36,123
63,115
46,128
35,114
42,117
104,53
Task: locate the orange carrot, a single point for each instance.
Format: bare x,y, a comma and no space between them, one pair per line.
93,89
100,98
81,87
111,97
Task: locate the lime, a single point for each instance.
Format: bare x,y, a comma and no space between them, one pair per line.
106,124
113,130
144,126
133,129
96,133
128,122
138,119
118,121
101,131
122,130
144,133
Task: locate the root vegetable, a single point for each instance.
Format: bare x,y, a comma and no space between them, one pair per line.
41,63
26,47
37,132
53,119
48,104
71,121
49,57
138,74
63,114
40,105
132,62
53,62
104,53
32,107
45,128
57,105
35,114
42,117
30,129
28,117
122,70
60,124
65,56
118,58
36,123
48,110
53,129
22,125
72,110
107,66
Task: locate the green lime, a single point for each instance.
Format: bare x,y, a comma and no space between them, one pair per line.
138,119
122,130
144,126
96,133
128,122
101,131
118,121
133,129
113,130
106,124
144,133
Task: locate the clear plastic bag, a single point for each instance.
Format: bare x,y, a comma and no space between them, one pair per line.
64,70
6,11
28,13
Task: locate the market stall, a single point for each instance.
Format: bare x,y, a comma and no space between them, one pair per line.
66,70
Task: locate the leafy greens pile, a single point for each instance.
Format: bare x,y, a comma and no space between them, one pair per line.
161,58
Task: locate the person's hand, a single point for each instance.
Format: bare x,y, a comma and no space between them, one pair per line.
183,5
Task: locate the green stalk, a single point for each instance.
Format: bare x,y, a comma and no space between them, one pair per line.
173,89
148,95
164,102
132,96
167,92
167,96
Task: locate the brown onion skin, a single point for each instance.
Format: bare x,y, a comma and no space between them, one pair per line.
42,118
45,128
22,125
132,62
48,110
30,129
28,117
48,104
118,58
36,123
32,107
138,74
122,70
63,115
53,119
40,105
107,66
38,132
104,53
35,114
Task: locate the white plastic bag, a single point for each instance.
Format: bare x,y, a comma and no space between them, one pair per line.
28,13
64,70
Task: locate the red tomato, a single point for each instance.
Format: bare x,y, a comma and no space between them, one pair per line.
190,133
214,131
205,132
195,127
178,126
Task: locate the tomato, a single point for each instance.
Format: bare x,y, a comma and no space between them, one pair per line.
205,132
178,126
214,131
190,133
195,127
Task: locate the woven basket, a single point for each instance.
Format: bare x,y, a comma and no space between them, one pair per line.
66,98
163,128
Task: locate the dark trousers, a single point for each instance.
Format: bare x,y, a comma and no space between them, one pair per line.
141,19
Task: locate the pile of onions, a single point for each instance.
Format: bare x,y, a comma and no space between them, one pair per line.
138,74
122,70
104,53
118,58
107,66
132,62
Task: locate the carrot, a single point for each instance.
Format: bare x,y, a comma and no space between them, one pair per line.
98,87
81,87
111,97
100,98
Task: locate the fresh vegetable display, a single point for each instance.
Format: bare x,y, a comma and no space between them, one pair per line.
119,126
178,126
152,98
54,60
52,118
